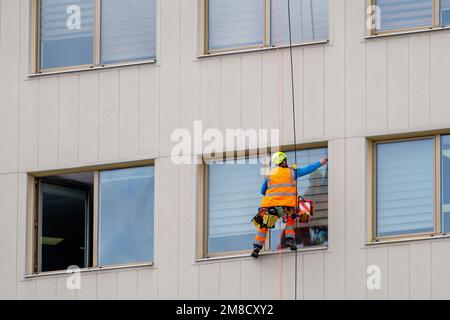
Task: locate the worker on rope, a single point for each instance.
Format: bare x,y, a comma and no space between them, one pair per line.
280,200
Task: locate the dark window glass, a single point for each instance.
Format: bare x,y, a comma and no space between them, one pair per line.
64,229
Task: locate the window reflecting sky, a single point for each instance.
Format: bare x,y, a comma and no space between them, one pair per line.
126,216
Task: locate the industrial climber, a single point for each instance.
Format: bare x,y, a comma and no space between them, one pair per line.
280,200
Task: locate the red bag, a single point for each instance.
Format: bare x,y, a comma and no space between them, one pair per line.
305,210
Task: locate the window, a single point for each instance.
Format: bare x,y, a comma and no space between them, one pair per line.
128,30
445,181
235,24
66,42
412,188
445,12
405,187
309,21
126,238
392,15
233,198
230,28
89,33
93,219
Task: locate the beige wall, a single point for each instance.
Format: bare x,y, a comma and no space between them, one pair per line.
346,90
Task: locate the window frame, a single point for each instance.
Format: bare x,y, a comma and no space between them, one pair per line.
372,191
204,43
202,225
35,180
435,25
96,63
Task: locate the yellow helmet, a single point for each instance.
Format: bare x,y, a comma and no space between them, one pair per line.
278,158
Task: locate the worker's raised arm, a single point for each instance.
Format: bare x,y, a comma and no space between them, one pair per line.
264,187
310,169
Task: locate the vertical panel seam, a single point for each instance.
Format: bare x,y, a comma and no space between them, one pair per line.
430,87
323,91
119,105
179,124
366,76
58,127
78,116
98,116
139,112
409,83
409,272
387,85
18,155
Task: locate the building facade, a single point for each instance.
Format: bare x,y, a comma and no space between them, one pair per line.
372,99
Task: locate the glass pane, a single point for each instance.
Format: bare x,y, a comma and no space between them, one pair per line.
445,167
405,185
309,21
67,35
312,187
64,229
397,14
445,12
233,200
235,23
128,30
126,213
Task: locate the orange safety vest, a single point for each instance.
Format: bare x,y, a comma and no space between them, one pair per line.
281,189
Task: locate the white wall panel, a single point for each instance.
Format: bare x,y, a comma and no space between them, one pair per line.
230,280
377,85
10,45
89,117
419,81
109,115
314,58
129,137
398,83
48,122
335,264
107,286
313,276
420,271
8,235
440,76
68,119
399,273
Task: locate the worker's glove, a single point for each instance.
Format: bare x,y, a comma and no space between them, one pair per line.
294,166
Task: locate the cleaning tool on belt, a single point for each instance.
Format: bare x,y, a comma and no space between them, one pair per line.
266,217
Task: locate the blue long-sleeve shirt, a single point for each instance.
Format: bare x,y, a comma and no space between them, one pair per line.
298,173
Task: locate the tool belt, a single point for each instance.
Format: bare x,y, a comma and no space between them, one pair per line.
268,217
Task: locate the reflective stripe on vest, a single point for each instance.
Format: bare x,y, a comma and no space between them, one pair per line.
281,188
281,185
282,194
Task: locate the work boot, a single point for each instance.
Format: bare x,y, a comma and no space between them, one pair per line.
290,243
256,251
